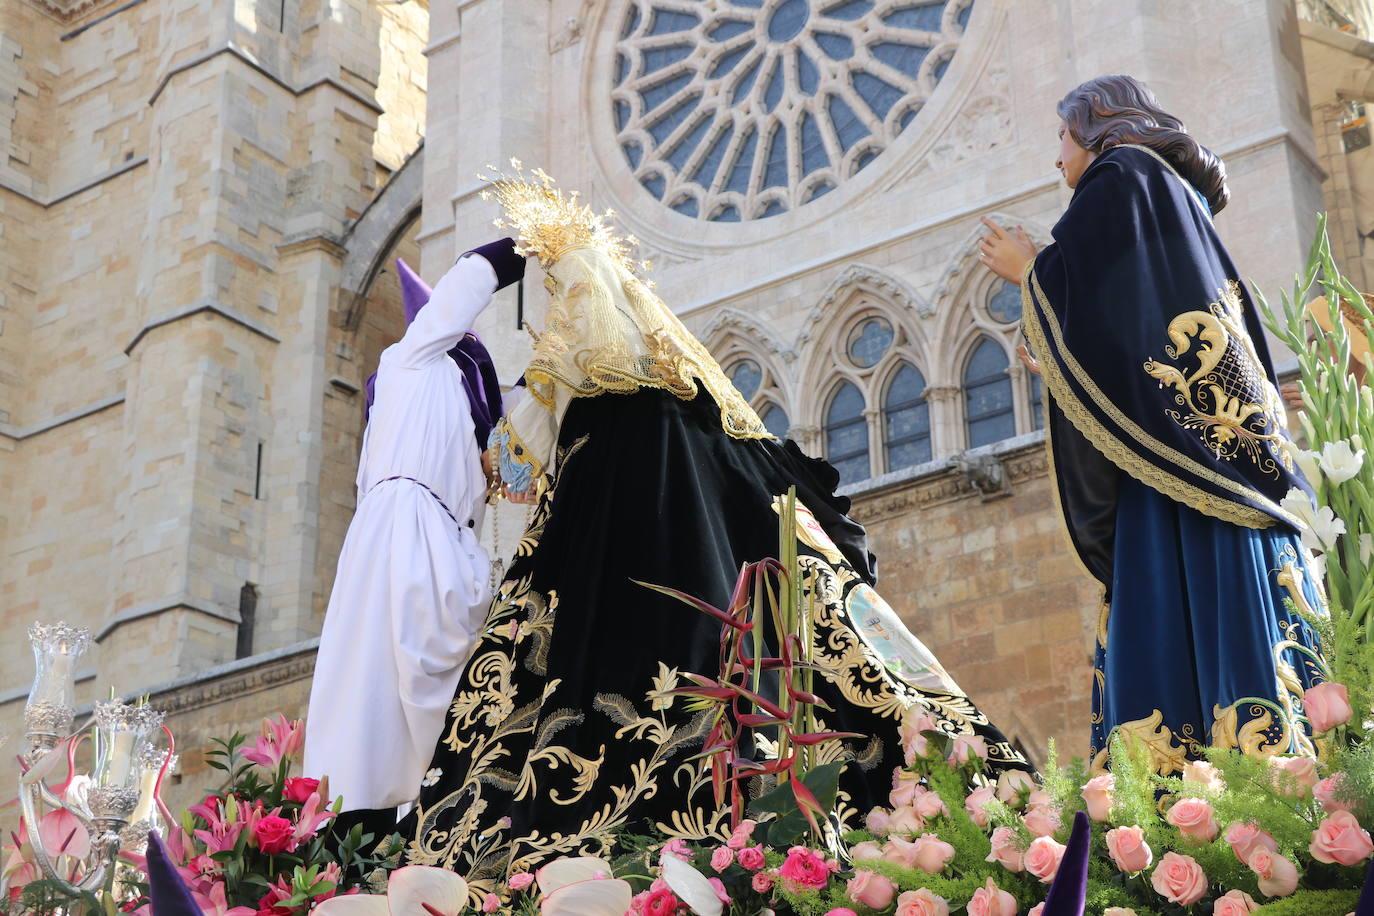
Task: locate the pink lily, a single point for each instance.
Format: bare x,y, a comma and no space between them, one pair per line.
311,817
280,740
221,836
214,903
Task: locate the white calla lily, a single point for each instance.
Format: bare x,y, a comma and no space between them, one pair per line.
691,887
592,897
562,872
1340,461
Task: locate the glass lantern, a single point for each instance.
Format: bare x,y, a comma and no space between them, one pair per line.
123,731
56,650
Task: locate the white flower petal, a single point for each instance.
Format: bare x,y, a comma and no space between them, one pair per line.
609,897
1310,463
414,885
562,872
1366,548
353,905
1340,461
691,887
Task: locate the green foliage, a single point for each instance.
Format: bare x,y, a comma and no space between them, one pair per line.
1312,903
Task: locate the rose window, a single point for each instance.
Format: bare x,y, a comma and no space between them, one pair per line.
742,109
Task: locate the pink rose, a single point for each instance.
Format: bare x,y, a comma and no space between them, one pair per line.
906,821
1042,820
1340,839
676,847
1303,773
718,886
1126,846
900,852
520,880
762,882
932,854
1278,877
879,821
929,804
274,834
722,858
1118,911
751,857
1036,910
871,890
804,869
903,792
491,903
914,743
1233,903
921,903
1246,838
966,748
841,911
1043,858
1327,705
1097,794
298,789
865,850
975,802
1326,792
1005,851
990,900
661,902
1195,819
1179,879
740,837
1202,773
1013,786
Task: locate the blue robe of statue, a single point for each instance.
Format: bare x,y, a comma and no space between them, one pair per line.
1172,463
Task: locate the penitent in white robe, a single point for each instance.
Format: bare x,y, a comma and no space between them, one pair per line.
412,581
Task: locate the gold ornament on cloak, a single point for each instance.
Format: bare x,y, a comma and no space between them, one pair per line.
606,332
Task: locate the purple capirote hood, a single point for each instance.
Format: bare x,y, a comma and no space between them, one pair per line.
471,357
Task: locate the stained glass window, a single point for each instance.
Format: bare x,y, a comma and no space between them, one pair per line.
746,376
1005,304
846,434
987,396
775,420
796,82
869,341
906,419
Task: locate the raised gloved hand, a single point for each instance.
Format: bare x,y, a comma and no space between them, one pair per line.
509,266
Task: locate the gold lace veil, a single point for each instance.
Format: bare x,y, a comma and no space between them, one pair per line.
606,329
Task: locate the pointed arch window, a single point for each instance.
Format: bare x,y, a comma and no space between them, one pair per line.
906,419
989,414
846,434
1037,403
775,420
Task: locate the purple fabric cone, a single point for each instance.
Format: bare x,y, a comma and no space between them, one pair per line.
414,291
1069,892
168,893
1366,906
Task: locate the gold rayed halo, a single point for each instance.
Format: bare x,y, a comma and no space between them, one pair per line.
547,223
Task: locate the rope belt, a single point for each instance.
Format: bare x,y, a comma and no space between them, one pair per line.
447,511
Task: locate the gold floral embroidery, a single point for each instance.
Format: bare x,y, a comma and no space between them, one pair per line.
1039,332
1227,397
1167,753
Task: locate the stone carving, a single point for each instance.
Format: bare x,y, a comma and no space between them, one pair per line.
862,278
949,486
566,37
985,473
729,320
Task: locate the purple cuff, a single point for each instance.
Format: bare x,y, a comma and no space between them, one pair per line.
509,266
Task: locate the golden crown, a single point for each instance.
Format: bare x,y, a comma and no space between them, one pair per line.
546,222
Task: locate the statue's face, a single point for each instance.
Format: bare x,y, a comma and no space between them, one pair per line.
1073,159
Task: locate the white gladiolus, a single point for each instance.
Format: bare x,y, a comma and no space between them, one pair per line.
1366,548
1320,526
1310,463
1340,461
